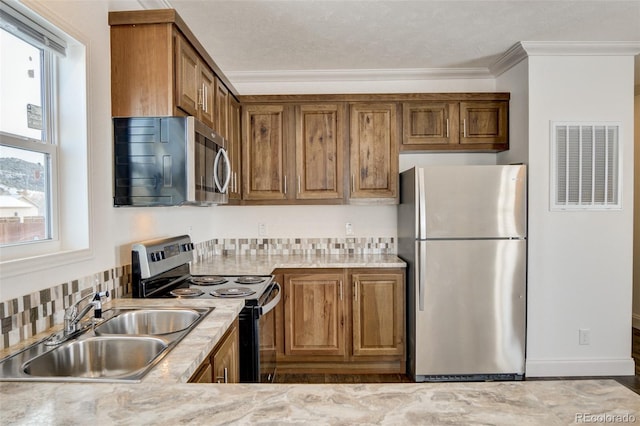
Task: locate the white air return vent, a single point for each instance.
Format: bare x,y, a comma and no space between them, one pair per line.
585,169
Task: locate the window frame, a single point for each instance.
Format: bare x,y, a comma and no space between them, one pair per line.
69,127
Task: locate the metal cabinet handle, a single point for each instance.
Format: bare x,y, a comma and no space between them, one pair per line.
224,377
340,289
285,184
464,127
353,182
357,284
447,127
299,184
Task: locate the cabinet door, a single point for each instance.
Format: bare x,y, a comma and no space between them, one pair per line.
187,77
264,155
374,150
204,374
429,123
233,149
484,122
207,88
314,315
226,359
319,151
222,109
142,70
378,314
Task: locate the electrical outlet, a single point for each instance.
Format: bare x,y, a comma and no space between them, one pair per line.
262,229
584,336
348,228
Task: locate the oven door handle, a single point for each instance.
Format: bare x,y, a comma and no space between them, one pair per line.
269,306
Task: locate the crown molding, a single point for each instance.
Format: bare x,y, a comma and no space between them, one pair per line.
581,48
357,75
512,57
522,50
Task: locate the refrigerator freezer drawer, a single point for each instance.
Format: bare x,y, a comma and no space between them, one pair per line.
473,317
472,202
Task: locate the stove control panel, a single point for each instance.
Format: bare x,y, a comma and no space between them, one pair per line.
158,256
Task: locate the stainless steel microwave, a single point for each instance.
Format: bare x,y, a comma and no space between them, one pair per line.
168,161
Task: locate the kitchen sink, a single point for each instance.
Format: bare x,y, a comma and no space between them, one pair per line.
149,321
124,347
98,357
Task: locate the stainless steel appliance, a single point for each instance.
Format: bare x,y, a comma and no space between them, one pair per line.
168,161
462,232
161,269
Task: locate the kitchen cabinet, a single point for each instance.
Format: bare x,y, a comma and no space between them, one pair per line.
472,125
264,161
293,152
319,155
378,313
159,68
341,321
235,151
373,157
314,315
225,360
222,364
221,109
195,84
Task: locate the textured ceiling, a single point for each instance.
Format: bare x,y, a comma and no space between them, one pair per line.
316,35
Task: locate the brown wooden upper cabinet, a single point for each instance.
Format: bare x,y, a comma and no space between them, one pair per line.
264,155
373,151
234,150
455,126
158,68
293,152
319,151
195,84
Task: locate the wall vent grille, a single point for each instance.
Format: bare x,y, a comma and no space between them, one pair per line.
585,166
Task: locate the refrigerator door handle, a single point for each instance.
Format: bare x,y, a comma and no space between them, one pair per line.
421,206
421,273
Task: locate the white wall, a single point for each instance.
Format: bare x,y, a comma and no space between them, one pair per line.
516,81
580,263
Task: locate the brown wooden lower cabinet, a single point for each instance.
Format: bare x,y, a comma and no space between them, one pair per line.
222,364
341,321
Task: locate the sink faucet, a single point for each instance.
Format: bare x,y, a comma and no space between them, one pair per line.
72,316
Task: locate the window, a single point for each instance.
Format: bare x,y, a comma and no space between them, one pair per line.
44,181
585,166
28,149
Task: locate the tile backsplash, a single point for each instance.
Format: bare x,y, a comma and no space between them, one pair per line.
36,312
286,246
27,315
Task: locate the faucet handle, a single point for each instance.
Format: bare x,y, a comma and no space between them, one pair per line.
97,304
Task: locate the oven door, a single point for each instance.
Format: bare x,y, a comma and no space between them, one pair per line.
267,341
257,339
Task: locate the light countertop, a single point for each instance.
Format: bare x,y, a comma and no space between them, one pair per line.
265,264
164,398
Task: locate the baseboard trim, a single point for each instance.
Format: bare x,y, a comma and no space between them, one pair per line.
580,367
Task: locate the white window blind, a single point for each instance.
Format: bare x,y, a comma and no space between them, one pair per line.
585,166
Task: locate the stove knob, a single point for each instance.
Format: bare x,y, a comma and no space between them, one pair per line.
153,256
161,255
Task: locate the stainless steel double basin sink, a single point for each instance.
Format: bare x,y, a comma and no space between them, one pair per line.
123,347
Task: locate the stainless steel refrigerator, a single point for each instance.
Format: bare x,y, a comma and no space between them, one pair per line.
462,232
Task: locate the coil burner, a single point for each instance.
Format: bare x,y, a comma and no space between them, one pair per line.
232,292
208,280
249,279
186,292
